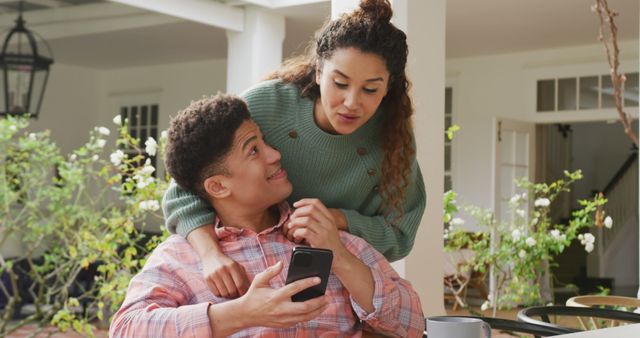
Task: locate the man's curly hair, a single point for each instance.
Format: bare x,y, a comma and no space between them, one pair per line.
199,139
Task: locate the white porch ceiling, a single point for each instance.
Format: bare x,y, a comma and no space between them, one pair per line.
106,35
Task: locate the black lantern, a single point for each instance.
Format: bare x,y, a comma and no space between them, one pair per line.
23,71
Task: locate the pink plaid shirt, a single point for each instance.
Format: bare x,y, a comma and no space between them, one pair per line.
170,298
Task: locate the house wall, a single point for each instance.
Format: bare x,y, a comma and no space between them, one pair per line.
172,86
71,105
504,86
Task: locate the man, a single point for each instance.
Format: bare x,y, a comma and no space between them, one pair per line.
216,151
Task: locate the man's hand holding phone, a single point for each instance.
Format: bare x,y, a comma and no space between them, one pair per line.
263,305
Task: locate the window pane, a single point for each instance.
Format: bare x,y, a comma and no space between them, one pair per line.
134,117
143,136
546,95
123,114
447,183
154,115
143,116
447,157
154,133
607,92
589,92
567,94
447,101
631,90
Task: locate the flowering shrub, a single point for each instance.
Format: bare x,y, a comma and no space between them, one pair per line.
521,249
72,215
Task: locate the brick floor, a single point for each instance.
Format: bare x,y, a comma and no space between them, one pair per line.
27,331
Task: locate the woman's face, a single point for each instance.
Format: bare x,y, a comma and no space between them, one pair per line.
352,85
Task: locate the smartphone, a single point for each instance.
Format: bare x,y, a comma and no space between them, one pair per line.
309,262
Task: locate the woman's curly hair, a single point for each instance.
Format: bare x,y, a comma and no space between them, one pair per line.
369,30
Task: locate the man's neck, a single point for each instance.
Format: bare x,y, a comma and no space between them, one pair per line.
257,219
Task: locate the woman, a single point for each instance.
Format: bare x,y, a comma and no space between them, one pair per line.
341,117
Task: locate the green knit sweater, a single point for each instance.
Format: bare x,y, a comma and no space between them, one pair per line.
343,171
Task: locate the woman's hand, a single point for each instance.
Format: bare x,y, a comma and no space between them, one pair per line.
224,276
313,223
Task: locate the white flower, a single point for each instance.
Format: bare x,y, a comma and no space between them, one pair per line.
101,143
588,247
515,199
521,213
145,182
117,156
555,233
515,234
94,158
485,306
522,254
117,120
13,128
73,157
163,134
141,181
542,202
589,238
581,237
608,222
534,221
147,170
530,241
104,131
149,205
33,136
150,146
457,221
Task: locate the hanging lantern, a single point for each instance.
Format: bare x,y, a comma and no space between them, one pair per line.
23,71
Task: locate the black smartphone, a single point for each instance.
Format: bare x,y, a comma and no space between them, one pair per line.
309,262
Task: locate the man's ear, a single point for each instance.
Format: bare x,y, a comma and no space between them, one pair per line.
216,186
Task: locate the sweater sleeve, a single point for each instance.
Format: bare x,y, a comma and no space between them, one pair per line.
393,241
185,211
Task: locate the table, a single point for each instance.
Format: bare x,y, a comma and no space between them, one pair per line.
626,331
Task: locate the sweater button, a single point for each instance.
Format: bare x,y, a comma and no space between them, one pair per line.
362,151
376,188
293,134
371,172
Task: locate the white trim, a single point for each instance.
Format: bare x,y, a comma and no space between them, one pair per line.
206,12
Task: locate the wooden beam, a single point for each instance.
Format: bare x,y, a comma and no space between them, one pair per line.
96,18
206,12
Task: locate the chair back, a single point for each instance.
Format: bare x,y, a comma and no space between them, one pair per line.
598,317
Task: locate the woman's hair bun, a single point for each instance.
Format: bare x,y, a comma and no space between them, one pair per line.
375,10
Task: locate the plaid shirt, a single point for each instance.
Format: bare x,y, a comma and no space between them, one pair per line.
170,298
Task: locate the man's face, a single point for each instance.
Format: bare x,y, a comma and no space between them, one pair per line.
254,175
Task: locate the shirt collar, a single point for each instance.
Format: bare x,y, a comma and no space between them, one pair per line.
230,233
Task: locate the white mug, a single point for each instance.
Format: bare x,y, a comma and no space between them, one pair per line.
457,327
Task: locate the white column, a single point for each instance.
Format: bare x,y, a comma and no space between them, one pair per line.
256,51
424,23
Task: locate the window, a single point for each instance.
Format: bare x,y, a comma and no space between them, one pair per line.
448,122
583,93
143,123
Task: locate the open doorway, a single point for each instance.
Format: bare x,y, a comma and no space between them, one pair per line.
609,164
